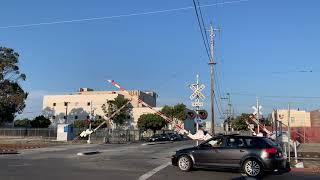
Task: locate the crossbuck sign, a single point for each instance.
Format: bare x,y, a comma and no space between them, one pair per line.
255,110
197,94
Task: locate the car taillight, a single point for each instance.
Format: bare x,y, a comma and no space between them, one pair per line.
270,150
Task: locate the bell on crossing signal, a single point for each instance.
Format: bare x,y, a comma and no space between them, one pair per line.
191,115
203,114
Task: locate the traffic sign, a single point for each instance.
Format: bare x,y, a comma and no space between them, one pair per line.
255,110
197,94
195,104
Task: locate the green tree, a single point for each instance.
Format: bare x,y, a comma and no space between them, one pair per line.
12,96
40,122
239,123
151,121
80,124
177,111
114,105
97,122
22,123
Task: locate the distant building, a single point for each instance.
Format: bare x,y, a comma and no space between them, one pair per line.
315,118
298,118
77,106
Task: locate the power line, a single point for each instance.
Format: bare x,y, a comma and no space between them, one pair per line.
117,16
218,91
219,111
204,38
267,96
203,25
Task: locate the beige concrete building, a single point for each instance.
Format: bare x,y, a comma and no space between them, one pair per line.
298,118
77,106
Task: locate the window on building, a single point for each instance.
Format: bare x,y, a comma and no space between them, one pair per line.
100,117
64,117
65,103
75,117
54,104
88,117
53,117
88,103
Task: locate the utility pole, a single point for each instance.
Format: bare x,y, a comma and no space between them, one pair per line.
276,123
258,115
66,104
90,120
229,111
289,135
211,64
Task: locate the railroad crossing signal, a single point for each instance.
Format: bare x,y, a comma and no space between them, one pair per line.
255,110
197,88
197,94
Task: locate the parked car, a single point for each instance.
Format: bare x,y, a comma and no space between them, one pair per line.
159,137
174,137
252,155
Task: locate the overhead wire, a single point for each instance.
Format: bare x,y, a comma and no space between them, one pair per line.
204,36
117,16
201,29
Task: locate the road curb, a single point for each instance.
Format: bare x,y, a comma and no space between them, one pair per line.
88,153
307,170
155,143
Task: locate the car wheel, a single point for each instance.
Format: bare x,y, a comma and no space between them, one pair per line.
252,168
184,163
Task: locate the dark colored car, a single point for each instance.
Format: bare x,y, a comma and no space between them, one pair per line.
174,137
252,155
159,137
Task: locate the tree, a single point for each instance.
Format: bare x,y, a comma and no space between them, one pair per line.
40,122
12,96
22,123
112,106
97,122
177,111
80,124
239,123
151,121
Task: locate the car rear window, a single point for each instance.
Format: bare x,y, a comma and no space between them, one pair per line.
270,142
255,143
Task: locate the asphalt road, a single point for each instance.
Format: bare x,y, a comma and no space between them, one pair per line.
119,162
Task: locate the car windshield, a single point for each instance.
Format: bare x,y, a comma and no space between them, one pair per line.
217,142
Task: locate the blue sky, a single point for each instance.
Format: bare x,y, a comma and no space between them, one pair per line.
261,49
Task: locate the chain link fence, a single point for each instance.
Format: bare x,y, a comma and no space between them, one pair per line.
101,135
45,133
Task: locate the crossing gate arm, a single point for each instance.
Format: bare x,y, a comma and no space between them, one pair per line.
200,135
88,131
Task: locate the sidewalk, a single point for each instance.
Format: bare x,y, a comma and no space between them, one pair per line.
309,154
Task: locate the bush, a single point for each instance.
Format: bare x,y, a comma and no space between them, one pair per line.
40,122
80,124
22,123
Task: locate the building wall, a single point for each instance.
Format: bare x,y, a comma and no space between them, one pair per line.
79,106
315,118
150,98
297,118
81,103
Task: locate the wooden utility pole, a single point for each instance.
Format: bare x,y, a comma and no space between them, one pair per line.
211,64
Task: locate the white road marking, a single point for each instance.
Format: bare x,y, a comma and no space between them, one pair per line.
153,171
